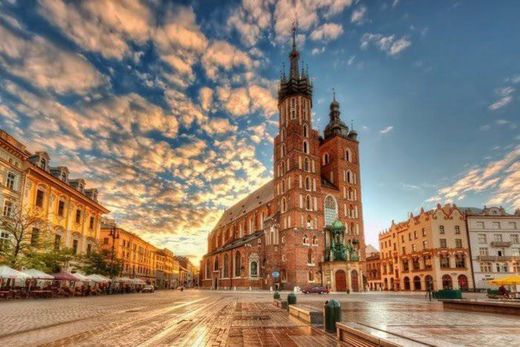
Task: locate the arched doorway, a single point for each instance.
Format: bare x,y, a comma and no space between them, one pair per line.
406,283
355,280
392,283
341,281
416,283
447,283
429,282
386,284
463,282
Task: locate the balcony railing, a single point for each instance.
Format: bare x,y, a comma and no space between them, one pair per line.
497,258
500,244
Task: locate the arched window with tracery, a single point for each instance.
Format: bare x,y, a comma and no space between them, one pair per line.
330,210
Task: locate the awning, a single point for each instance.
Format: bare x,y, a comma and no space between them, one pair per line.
7,272
65,276
37,274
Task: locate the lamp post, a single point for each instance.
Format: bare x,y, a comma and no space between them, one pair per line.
114,234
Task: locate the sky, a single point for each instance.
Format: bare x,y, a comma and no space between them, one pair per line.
170,110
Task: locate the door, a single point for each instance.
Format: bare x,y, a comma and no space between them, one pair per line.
341,281
355,281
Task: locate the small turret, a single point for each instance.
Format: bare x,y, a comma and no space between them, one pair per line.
336,125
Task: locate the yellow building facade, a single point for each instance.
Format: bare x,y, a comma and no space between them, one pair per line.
429,250
67,208
137,256
12,156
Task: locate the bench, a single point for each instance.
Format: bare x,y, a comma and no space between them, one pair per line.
308,314
280,303
358,335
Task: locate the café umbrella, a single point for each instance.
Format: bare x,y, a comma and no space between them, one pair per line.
65,276
37,274
8,273
507,280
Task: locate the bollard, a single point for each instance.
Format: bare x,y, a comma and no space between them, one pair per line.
276,295
291,299
331,315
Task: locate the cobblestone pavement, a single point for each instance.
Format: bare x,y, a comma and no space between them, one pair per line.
204,318
165,318
412,316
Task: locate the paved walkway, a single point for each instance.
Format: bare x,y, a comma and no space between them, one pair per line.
169,318
204,318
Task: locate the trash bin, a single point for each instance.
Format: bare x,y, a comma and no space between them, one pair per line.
276,295
291,299
331,315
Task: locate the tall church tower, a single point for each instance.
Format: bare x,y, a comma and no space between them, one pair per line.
297,183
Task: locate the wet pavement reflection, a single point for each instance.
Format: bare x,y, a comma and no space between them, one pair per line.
207,318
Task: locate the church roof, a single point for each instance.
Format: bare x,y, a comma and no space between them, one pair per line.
261,196
238,243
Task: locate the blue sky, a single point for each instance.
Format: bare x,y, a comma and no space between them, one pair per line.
170,108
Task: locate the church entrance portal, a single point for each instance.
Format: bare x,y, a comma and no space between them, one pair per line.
341,281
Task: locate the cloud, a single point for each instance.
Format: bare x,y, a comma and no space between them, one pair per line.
206,98
250,19
244,100
387,44
45,65
386,130
99,25
500,178
219,126
358,15
505,98
327,32
223,55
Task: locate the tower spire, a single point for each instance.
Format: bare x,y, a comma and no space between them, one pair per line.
294,55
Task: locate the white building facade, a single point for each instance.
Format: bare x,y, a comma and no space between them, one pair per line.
494,239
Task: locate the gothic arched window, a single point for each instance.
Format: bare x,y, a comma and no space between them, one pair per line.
237,264
306,165
330,210
348,155
325,159
284,205
305,147
309,256
305,131
308,185
308,204
226,265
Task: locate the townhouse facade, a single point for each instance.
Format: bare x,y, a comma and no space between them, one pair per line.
494,239
13,155
427,251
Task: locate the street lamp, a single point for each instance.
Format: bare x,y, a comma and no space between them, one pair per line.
114,234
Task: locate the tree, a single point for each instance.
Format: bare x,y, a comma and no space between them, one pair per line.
101,263
26,233
48,259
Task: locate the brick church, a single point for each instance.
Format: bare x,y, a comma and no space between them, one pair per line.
305,226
